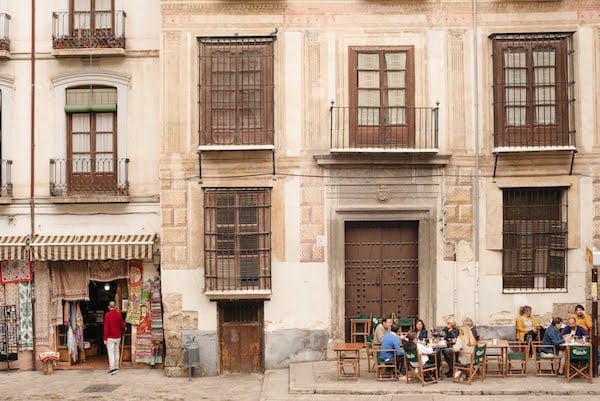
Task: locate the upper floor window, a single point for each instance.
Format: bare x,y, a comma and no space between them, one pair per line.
382,96
533,90
236,91
91,161
534,238
237,239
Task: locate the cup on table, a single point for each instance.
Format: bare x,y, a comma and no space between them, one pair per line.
427,341
495,341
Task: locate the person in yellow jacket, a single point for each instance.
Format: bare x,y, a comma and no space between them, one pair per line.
526,326
582,319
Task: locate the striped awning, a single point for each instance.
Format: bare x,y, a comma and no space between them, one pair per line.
13,247
92,247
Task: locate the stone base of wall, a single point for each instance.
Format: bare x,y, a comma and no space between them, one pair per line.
283,347
175,365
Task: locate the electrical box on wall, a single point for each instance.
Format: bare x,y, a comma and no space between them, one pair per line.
596,257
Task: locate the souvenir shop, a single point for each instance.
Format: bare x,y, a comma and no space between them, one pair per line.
74,279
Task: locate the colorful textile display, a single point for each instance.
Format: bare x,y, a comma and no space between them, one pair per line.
133,307
150,336
26,317
108,270
70,280
15,271
2,299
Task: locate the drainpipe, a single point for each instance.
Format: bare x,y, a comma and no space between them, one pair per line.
32,178
476,178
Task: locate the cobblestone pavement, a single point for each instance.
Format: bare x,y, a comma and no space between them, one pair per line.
311,381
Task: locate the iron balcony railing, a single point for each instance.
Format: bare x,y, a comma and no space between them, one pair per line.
86,29
404,129
4,36
5,178
83,176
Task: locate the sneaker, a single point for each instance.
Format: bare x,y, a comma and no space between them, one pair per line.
112,372
559,374
457,374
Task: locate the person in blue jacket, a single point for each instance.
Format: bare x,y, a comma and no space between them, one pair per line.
392,341
552,339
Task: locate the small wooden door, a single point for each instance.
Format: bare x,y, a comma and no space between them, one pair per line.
381,269
241,337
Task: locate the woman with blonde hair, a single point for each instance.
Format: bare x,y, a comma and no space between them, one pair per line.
464,345
526,326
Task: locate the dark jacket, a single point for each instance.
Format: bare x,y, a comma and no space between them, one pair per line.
553,338
579,331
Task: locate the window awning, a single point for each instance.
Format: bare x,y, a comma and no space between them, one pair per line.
92,247
13,247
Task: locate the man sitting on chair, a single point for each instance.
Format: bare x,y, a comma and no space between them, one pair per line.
551,341
392,341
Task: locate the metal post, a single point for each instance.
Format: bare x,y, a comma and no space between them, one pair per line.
594,293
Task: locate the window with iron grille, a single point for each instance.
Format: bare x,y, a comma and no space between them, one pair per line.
534,251
237,238
534,91
382,96
236,91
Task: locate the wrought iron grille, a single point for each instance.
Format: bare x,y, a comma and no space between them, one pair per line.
88,29
534,90
237,239
89,176
534,239
236,91
384,128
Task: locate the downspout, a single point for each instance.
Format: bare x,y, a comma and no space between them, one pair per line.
476,177
32,179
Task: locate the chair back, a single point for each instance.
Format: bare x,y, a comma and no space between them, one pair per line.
411,356
579,353
479,354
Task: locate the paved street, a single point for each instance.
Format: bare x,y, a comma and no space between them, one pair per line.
301,382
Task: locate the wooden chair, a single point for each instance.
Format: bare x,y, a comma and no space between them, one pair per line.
385,369
517,358
421,371
374,347
475,367
497,365
407,324
546,364
579,362
360,329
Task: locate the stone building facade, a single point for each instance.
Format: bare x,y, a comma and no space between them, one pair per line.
424,158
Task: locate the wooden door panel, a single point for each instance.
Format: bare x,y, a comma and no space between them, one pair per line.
381,269
240,338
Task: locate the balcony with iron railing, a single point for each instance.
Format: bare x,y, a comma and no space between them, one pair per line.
4,35
5,178
383,129
85,32
85,179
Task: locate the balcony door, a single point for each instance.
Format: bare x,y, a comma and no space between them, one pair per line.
382,97
92,152
92,18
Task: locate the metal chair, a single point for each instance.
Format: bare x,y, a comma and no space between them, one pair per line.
579,362
517,358
475,367
546,364
385,369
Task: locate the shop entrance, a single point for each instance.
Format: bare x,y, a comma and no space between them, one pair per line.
84,348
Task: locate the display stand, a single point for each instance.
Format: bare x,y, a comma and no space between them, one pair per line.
8,335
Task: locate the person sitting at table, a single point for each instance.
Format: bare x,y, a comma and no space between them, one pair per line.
391,341
451,333
551,343
582,319
420,330
382,329
572,331
412,343
469,323
526,325
464,345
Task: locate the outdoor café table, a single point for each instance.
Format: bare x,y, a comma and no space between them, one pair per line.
347,355
501,345
567,355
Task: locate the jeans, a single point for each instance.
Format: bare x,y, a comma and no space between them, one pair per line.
112,348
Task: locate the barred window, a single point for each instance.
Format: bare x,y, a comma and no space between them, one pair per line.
236,91
533,90
534,239
237,238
